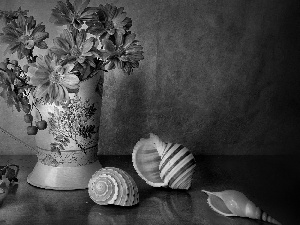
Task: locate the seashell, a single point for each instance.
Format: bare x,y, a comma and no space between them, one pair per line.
112,185
163,164
235,203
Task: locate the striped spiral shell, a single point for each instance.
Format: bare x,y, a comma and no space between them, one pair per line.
163,164
112,185
235,203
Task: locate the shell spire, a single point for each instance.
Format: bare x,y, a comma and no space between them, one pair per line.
163,164
112,185
235,203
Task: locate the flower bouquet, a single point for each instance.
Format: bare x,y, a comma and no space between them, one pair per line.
60,92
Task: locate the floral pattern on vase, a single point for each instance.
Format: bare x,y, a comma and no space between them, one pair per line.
71,138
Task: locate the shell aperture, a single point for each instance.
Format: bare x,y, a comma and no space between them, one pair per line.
163,164
235,203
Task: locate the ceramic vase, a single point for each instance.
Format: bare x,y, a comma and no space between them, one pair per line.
67,149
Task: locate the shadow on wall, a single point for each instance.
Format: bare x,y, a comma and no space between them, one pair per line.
130,113
219,77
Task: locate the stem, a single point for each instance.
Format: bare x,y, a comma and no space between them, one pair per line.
37,110
21,79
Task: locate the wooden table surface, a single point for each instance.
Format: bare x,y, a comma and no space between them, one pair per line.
271,182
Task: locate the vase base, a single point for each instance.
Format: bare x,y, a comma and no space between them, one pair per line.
62,178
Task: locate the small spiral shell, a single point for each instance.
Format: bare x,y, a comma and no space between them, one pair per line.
112,185
163,164
235,203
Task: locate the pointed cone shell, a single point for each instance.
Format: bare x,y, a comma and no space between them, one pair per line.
235,203
111,185
163,164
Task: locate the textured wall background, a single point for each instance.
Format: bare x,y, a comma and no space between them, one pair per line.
221,77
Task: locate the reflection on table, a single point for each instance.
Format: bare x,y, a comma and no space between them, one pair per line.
271,182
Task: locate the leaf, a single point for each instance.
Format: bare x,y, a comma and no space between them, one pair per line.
14,24
31,23
68,37
119,64
70,6
81,36
86,72
11,32
83,6
3,94
59,52
8,93
20,54
110,11
38,28
135,64
132,49
108,45
41,91
127,22
128,40
97,29
88,44
21,21
5,39
120,16
58,20
42,45
91,62
40,36
61,43
111,65
119,37
77,4
88,12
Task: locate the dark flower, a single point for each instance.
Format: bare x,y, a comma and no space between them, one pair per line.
109,20
125,55
22,35
8,16
72,14
73,47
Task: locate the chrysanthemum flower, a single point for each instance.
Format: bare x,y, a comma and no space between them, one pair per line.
109,20
73,47
22,35
8,16
124,55
53,81
72,14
